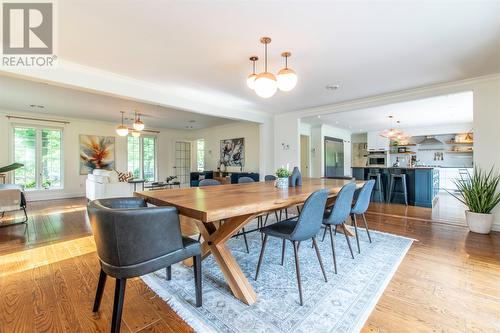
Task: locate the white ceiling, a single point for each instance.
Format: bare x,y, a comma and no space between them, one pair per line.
366,47
422,113
17,94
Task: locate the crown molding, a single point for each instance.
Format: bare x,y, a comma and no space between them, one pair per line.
75,76
395,97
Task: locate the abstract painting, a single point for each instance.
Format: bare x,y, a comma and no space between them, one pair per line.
96,152
232,152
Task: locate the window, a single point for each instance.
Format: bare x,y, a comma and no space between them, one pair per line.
141,157
200,154
39,149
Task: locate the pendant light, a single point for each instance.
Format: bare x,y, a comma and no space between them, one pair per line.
287,78
122,130
265,83
251,78
138,124
135,133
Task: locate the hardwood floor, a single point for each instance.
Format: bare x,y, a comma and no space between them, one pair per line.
48,274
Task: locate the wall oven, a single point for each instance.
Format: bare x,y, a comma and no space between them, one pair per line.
377,159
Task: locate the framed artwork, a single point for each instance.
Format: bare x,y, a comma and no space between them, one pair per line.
232,152
96,152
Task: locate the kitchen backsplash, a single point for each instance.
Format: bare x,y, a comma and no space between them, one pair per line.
437,154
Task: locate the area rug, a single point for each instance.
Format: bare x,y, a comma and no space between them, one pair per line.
342,304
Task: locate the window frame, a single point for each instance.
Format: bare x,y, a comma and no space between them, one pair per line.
204,155
38,153
141,156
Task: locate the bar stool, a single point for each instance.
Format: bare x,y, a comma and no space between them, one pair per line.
378,191
395,176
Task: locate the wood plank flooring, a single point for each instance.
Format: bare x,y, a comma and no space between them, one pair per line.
448,282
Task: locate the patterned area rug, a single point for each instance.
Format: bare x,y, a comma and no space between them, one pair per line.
340,305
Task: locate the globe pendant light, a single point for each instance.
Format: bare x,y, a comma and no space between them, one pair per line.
138,124
136,133
265,83
287,79
251,78
122,130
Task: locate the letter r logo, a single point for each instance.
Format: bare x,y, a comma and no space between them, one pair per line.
27,28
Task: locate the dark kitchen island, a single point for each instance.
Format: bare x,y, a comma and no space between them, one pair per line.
422,183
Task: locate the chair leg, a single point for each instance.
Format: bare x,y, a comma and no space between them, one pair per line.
404,190
168,273
324,232
286,213
319,258
283,253
281,214
265,221
298,210
276,213
366,227
335,231
245,239
263,248
347,239
332,241
199,237
99,291
356,230
297,268
197,279
118,305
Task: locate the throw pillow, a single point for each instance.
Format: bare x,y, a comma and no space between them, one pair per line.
124,176
201,177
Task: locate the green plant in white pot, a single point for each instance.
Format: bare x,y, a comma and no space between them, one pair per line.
282,181
479,194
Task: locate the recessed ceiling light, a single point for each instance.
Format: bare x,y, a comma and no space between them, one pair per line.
37,106
336,121
332,87
192,121
319,116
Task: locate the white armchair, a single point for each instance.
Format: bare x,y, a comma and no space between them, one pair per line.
104,184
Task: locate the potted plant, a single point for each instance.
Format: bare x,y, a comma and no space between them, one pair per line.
282,181
479,194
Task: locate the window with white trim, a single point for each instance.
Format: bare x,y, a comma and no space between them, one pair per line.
40,150
141,157
200,154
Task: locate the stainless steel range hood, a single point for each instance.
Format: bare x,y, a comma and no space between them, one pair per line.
430,141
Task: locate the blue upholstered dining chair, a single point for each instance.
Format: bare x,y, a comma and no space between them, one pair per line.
298,229
338,215
208,182
270,178
243,180
360,207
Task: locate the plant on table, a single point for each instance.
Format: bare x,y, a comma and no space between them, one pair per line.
283,173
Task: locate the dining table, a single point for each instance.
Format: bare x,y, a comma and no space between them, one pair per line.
237,205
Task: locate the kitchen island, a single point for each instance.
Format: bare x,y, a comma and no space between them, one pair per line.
422,183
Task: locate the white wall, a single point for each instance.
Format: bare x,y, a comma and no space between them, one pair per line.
213,136
74,183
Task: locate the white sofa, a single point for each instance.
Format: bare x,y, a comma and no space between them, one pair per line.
102,184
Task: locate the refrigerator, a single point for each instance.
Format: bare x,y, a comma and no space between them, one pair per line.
334,157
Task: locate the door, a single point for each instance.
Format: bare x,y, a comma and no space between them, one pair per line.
334,157
182,162
304,156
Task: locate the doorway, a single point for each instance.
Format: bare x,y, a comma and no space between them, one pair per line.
182,162
304,155
334,157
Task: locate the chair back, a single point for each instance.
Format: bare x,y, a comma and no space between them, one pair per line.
342,207
311,216
363,198
269,177
243,180
208,182
127,232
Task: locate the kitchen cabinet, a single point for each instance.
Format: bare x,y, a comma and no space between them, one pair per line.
377,142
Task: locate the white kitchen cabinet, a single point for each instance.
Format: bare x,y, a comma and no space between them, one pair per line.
377,142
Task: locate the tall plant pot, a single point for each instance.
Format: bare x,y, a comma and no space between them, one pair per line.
478,222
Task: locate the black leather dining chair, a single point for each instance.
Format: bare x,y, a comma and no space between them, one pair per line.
133,240
298,229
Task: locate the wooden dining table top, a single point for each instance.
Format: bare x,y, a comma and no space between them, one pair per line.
213,203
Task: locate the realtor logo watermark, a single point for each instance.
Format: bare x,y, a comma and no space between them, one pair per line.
28,34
